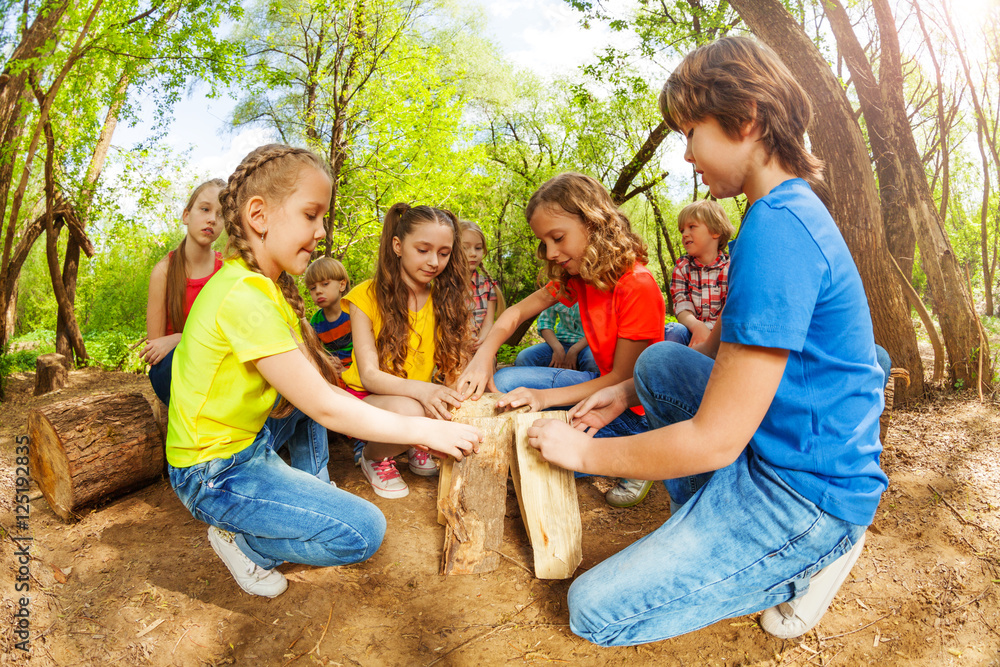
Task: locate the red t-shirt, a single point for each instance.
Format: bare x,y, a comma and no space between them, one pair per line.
194,286
633,310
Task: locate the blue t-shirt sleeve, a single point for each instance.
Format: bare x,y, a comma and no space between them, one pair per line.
776,275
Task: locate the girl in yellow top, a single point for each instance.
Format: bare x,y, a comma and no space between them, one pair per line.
411,319
245,342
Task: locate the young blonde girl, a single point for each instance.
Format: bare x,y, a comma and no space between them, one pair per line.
592,257
487,300
247,341
411,333
178,278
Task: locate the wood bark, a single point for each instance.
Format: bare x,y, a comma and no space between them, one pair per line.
50,373
906,196
92,449
550,507
836,138
476,502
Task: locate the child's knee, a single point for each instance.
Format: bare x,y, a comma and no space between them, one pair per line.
588,613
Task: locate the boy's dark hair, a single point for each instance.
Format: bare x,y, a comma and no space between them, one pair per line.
737,81
712,215
326,268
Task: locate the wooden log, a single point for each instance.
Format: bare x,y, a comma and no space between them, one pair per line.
486,406
476,502
50,373
160,412
550,507
88,450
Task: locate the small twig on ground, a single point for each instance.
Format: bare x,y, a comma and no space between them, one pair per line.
983,619
325,628
179,640
844,634
975,599
504,626
960,517
506,557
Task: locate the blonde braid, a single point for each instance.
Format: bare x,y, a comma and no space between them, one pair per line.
260,173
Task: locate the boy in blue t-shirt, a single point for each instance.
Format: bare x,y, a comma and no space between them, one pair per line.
327,281
766,435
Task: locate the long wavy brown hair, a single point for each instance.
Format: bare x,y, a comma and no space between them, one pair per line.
177,268
272,172
612,247
450,294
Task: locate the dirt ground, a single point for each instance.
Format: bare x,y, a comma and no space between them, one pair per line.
135,582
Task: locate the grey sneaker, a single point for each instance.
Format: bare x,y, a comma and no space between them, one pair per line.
251,577
628,492
384,478
421,463
799,616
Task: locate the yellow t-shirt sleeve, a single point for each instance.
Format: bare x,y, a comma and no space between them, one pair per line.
257,322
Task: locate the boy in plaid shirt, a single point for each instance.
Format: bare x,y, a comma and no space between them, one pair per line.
700,280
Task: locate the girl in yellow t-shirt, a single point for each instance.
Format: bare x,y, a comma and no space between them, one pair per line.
246,340
411,319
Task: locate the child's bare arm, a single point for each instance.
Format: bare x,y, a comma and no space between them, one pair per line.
743,383
291,374
478,375
436,399
626,354
158,343
699,330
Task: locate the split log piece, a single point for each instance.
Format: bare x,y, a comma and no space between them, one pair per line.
476,502
550,506
486,406
88,450
50,373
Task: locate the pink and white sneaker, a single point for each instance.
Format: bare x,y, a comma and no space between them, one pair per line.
384,478
421,462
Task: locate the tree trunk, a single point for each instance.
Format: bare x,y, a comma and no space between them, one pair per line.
660,238
836,138
92,449
71,264
620,191
550,507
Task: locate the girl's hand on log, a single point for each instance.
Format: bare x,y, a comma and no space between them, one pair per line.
155,350
476,379
450,438
520,397
438,400
598,410
560,444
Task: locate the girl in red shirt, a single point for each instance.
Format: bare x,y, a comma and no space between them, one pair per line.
178,278
592,257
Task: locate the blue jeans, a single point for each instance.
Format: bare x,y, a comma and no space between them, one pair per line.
675,332
159,377
543,377
280,513
742,541
541,355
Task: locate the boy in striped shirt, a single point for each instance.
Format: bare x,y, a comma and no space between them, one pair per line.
327,281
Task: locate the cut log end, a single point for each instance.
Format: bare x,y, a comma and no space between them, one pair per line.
50,373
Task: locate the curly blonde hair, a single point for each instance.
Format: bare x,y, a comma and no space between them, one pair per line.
612,247
452,332
271,172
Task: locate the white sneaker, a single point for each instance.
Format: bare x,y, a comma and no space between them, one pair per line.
628,492
421,462
384,478
799,616
251,577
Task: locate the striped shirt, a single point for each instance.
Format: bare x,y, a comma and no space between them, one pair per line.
483,291
700,289
336,336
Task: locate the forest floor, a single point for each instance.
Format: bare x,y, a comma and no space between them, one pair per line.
135,582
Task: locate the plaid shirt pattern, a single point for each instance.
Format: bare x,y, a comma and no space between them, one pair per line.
483,291
570,329
700,289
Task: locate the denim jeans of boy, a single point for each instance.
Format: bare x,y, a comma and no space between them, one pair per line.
675,332
280,513
543,377
541,355
742,540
